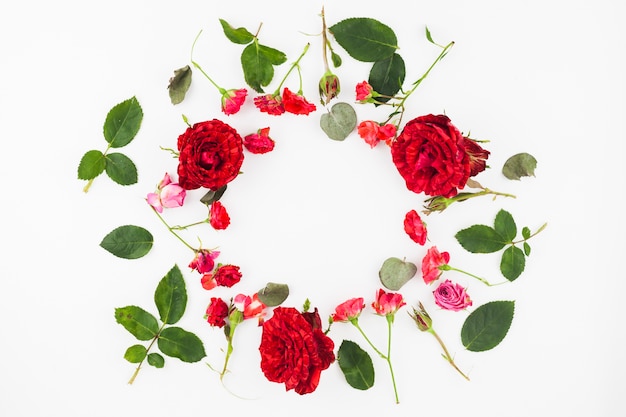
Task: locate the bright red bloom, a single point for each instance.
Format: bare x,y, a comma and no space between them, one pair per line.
415,227
251,307
210,155
294,349
430,155
259,142
270,104
363,91
207,281
232,100
349,310
387,303
450,296
372,132
296,104
216,312
227,275
477,156
431,264
204,261
218,216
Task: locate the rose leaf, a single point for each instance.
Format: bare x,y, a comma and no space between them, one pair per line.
121,169
519,165
339,122
179,84
181,344
273,294
386,76
135,353
137,321
156,360
480,238
128,242
240,35
505,225
487,326
122,123
356,365
512,263
258,63
170,296
365,39
91,165
395,273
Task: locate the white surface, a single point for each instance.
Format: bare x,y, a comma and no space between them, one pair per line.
535,76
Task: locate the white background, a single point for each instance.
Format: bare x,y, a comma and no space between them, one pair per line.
545,77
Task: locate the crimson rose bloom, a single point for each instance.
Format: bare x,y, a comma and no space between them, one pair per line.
218,216
227,275
294,349
415,227
217,312
211,154
431,157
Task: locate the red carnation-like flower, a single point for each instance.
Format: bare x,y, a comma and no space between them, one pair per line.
218,216
430,155
295,350
270,104
259,142
296,104
227,275
210,155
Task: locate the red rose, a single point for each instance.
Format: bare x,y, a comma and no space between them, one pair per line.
217,312
227,275
218,216
431,157
211,154
296,104
294,349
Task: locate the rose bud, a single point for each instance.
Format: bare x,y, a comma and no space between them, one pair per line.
329,87
421,317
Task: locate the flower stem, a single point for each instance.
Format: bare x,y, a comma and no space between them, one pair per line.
484,281
393,378
172,231
356,324
178,227
195,64
446,354
294,65
154,339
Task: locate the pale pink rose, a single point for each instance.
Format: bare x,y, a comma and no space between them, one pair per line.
450,296
431,264
387,303
232,100
168,195
348,310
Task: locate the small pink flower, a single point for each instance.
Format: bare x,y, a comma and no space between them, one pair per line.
450,296
270,104
218,216
227,275
387,303
432,263
259,142
216,312
415,227
296,103
207,281
251,307
168,195
364,92
373,132
349,310
232,100
387,132
204,261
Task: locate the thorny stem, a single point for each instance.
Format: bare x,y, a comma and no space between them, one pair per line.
446,354
294,65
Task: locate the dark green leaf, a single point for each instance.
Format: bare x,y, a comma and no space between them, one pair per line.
526,249
339,122
526,232
156,360
122,123
91,165
257,69
181,344
212,196
273,56
121,169
356,365
480,239
170,296
505,225
135,353
487,326
128,242
365,39
179,84
239,35
513,262
386,76
395,272
273,294
137,321
519,165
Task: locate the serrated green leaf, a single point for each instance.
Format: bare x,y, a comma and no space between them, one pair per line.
123,122
273,294
339,121
505,225
487,326
356,365
526,232
512,263
258,63
91,165
135,353
137,321
240,35
526,249
386,76
480,238
128,242
170,296
156,360
179,84
181,344
365,39
519,165
396,272
121,169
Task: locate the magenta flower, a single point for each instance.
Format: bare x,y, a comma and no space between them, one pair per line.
204,261
232,100
348,310
259,142
432,263
168,195
415,227
387,303
450,296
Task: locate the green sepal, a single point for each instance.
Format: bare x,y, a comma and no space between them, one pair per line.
135,353
170,296
339,121
178,343
240,35
386,76
122,123
156,360
365,39
487,326
121,169
128,242
179,84
356,365
91,165
505,225
140,323
480,238
512,263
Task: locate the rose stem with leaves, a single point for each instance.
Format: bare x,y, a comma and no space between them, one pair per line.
296,64
154,339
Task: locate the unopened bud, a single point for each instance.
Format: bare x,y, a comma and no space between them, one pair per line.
329,87
437,203
421,318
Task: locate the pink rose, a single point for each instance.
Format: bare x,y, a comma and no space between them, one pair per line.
349,310
204,261
168,195
415,227
450,296
363,91
232,100
431,264
387,303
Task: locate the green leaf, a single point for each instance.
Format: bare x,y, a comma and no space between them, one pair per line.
339,122
156,360
128,242
386,76
257,62
365,39
513,262
273,294
135,353
505,225
487,326
239,35
480,239
519,165
212,196
336,59
526,232
122,123
137,321
526,249
121,169
170,296
429,36
395,272
181,344
179,84
356,365
91,165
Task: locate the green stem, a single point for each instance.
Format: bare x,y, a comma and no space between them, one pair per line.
294,65
534,234
154,339
446,354
172,231
484,281
195,64
177,227
88,185
324,42
356,324
393,378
